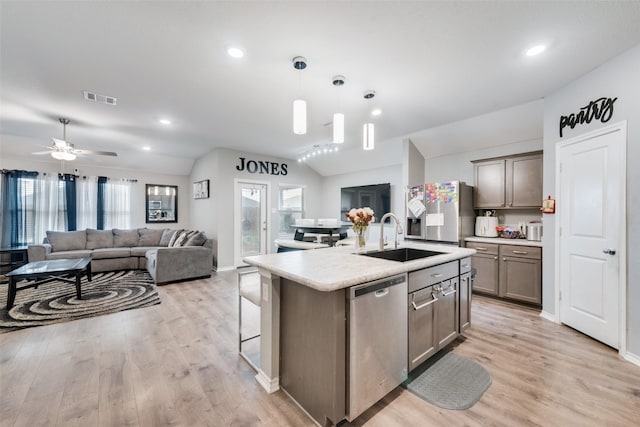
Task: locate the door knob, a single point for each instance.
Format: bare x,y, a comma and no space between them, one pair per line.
609,251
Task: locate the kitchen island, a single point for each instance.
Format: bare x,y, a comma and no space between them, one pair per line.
305,332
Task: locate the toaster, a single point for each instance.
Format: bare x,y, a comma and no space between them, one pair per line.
486,226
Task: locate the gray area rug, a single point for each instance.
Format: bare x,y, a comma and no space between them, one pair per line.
451,382
56,301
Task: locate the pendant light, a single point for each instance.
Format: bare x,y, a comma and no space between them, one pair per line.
368,135
299,105
338,118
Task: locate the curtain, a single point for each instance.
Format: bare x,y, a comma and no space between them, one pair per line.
102,182
87,202
117,204
69,184
50,207
17,207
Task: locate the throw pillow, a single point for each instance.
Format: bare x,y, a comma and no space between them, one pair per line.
179,241
97,239
166,237
176,234
196,239
67,240
125,238
149,236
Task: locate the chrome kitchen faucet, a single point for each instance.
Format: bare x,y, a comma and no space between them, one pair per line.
398,230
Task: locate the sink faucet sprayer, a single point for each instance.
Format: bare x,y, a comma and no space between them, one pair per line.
398,230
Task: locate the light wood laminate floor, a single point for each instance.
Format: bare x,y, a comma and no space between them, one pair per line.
176,364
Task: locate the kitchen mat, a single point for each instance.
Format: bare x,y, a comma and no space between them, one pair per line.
450,382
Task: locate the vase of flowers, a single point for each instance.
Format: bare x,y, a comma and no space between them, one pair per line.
360,218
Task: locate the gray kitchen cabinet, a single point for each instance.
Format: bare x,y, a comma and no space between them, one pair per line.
512,182
422,326
433,305
521,273
489,184
524,181
446,315
464,295
485,261
508,271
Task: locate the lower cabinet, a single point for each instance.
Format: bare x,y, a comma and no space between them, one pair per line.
433,310
508,271
521,273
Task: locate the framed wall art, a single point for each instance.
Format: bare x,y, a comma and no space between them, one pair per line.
201,189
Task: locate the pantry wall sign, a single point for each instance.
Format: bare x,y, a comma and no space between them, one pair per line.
600,109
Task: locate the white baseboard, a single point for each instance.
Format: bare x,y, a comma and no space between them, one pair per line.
550,317
219,269
271,385
633,358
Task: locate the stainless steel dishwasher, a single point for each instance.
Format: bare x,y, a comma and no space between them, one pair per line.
377,313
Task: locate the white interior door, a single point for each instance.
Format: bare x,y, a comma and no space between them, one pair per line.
251,221
592,213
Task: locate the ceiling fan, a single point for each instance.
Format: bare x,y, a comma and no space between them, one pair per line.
63,150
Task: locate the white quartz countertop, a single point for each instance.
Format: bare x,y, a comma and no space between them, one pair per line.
340,267
500,241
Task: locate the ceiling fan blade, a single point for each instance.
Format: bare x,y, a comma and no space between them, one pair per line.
41,152
97,153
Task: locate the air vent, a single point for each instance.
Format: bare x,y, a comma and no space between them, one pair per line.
102,99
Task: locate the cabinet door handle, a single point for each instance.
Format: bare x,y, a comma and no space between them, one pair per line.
480,249
520,252
495,257
418,307
504,259
436,275
466,266
446,294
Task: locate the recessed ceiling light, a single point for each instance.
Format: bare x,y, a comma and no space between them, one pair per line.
165,121
376,112
535,50
146,148
235,52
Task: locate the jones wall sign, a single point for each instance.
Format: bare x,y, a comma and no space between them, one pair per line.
262,167
600,109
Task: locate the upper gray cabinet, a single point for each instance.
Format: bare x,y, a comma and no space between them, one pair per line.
508,182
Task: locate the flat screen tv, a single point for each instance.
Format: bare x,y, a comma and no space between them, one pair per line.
377,197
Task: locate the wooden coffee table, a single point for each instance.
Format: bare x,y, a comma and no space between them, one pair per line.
47,271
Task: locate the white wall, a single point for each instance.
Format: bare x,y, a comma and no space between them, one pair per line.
216,214
137,189
330,200
616,78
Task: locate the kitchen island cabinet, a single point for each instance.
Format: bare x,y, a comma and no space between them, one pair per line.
305,326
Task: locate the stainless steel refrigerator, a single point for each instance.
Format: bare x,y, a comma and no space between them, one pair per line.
441,212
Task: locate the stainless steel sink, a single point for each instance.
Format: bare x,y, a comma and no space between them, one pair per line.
402,254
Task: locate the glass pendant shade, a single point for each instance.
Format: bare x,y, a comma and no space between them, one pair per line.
299,116
63,155
367,136
338,128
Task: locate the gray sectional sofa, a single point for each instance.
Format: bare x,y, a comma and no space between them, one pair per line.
168,255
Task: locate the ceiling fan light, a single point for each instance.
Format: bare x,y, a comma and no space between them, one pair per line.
338,128
299,116
63,155
368,136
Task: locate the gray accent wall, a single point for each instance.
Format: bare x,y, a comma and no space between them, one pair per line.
616,78
215,215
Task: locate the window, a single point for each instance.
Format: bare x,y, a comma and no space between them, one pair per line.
290,207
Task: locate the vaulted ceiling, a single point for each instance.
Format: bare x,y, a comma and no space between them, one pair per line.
430,63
